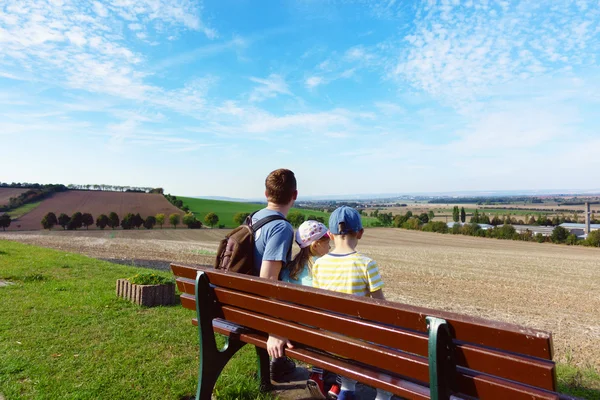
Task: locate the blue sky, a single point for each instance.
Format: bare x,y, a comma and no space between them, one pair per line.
207,97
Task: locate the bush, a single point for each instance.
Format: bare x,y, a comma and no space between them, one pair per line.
150,279
593,238
559,235
572,239
456,228
240,218
412,223
437,226
470,229
296,218
539,238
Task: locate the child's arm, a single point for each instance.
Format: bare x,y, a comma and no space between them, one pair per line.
378,294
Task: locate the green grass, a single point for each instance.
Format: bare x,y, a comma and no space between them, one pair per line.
227,209
24,209
65,334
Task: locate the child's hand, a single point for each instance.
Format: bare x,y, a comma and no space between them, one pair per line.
276,346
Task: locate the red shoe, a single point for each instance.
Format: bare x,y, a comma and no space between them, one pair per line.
334,391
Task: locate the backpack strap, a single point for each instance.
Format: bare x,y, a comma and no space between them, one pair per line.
262,222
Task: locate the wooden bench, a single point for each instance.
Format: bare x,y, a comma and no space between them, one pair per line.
413,352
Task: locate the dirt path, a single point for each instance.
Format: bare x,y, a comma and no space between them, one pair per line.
549,287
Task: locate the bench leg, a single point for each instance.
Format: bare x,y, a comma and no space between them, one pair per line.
212,359
264,370
442,366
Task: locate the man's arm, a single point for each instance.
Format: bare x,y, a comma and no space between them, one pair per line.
378,294
275,344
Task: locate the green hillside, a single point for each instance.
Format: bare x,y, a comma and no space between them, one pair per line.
227,209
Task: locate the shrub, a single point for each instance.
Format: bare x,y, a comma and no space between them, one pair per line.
296,218
455,228
424,218
146,278
559,235
572,239
539,238
240,218
470,229
437,226
593,238
412,223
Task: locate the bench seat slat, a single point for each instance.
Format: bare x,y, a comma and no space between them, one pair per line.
480,386
530,371
503,336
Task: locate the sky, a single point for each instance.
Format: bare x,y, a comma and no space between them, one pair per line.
205,98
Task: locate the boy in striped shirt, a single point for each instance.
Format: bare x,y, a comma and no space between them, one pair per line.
347,271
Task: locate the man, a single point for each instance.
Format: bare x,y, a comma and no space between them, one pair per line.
272,250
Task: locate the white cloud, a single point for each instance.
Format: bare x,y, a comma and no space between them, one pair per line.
314,81
268,88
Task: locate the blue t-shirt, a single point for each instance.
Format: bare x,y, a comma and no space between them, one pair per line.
273,241
304,277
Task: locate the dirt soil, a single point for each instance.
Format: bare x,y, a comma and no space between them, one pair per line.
550,287
7,193
96,203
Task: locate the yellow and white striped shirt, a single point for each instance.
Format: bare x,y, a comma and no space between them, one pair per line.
352,273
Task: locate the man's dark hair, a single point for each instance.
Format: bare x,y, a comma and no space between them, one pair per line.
281,186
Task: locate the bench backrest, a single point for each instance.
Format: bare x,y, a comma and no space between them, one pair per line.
492,359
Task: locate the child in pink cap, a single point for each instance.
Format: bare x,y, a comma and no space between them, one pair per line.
313,240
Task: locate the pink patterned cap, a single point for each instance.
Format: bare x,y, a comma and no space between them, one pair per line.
309,232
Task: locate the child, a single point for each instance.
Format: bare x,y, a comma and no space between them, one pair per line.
347,271
313,240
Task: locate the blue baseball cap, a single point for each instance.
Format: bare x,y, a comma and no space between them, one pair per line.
347,215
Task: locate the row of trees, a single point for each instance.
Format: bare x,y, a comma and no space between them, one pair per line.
505,231
32,195
112,220
105,187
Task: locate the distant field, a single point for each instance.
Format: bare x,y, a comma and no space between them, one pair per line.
7,193
227,209
95,203
24,209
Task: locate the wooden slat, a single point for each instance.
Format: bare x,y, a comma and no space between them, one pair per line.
471,384
503,336
535,372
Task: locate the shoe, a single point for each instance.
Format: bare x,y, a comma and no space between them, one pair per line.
317,378
346,395
334,392
281,368
316,390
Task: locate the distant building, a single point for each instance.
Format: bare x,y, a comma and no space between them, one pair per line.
534,229
482,226
579,229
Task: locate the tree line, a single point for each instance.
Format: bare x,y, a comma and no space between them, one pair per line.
32,195
72,186
112,220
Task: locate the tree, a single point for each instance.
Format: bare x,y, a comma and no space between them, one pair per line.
431,215
76,221
559,235
113,220
160,219
149,222
296,218
240,218
455,214
424,218
49,221
87,220
475,217
408,214
496,220
5,221
211,219
174,219
102,221
127,221
190,220
63,220
385,218
137,221
463,215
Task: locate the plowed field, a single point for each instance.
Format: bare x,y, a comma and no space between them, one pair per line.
7,193
545,286
95,203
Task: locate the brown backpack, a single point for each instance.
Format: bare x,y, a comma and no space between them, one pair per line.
236,250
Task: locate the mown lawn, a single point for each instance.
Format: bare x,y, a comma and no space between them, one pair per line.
227,209
64,334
